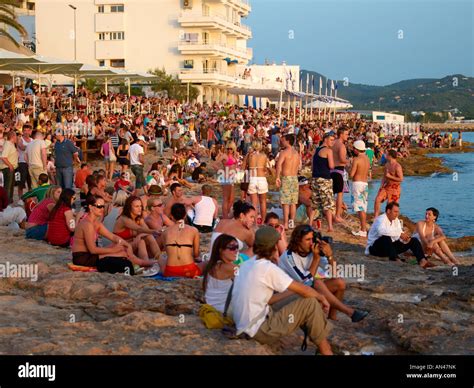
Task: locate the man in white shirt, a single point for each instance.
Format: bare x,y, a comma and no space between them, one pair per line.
254,304
137,162
36,157
387,239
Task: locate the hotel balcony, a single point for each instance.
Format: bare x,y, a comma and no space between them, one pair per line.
215,21
215,49
109,22
242,6
216,77
109,49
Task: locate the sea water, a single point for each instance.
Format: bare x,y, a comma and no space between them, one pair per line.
452,194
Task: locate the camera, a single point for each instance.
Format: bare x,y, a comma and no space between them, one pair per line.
317,237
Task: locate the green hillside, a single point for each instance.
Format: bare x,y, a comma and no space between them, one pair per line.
428,95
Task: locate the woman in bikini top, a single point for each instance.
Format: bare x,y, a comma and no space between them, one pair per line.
182,247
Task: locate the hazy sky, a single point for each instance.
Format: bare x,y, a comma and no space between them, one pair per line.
359,39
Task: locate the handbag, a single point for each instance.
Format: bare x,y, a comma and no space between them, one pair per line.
113,157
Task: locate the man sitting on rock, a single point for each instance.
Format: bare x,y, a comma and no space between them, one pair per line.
387,239
260,312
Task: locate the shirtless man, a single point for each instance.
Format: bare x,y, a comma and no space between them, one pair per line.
287,167
257,164
177,196
390,188
337,174
360,188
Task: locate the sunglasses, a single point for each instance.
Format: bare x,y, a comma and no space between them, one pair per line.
99,206
232,248
276,226
158,205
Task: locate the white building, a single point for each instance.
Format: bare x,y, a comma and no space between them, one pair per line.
389,118
202,41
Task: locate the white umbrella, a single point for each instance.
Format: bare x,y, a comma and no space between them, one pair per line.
12,58
89,71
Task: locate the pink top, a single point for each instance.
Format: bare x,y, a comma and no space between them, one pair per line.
230,161
40,213
106,148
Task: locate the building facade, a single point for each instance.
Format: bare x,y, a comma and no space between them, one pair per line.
201,41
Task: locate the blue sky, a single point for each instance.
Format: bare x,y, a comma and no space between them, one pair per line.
359,39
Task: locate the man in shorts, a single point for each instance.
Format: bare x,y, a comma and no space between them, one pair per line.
390,189
360,188
287,167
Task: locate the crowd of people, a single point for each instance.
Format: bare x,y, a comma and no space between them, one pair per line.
123,214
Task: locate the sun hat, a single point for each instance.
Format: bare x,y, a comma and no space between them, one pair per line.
359,145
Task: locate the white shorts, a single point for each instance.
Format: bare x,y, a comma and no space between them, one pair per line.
258,185
360,196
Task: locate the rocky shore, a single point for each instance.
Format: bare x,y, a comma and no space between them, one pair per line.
64,312
412,311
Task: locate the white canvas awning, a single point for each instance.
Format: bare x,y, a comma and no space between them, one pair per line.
10,58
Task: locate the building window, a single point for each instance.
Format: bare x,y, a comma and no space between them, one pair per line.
102,35
117,63
189,63
100,9
191,37
117,35
102,63
117,8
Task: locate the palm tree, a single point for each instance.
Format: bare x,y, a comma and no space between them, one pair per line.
8,19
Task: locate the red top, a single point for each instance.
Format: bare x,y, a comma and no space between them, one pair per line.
58,233
40,213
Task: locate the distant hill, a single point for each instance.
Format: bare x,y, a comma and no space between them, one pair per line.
424,94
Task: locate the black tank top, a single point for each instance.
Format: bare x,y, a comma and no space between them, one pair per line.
320,166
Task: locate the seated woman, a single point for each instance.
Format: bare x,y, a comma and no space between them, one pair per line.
37,223
61,222
157,219
132,228
220,270
118,202
99,190
433,239
118,257
240,227
182,247
176,175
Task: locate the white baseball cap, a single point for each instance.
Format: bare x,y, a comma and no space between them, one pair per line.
141,138
359,145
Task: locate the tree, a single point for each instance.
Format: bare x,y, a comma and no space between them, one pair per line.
92,85
8,19
173,86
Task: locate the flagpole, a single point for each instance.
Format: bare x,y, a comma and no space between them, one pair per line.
311,99
281,102
306,98
320,90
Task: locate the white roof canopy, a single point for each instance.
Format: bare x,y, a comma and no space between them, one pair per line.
10,58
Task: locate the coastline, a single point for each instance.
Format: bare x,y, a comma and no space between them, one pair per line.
419,164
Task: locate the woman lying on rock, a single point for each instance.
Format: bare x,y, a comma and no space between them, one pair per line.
118,257
433,239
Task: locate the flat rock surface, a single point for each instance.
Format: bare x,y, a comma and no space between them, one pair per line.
64,312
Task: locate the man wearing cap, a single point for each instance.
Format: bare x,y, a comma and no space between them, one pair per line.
263,299
137,162
360,188
304,198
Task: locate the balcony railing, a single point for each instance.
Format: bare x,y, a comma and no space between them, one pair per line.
215,17
217,45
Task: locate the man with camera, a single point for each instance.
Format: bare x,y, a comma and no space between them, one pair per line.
307,261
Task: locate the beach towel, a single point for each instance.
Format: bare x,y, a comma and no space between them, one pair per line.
81,268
